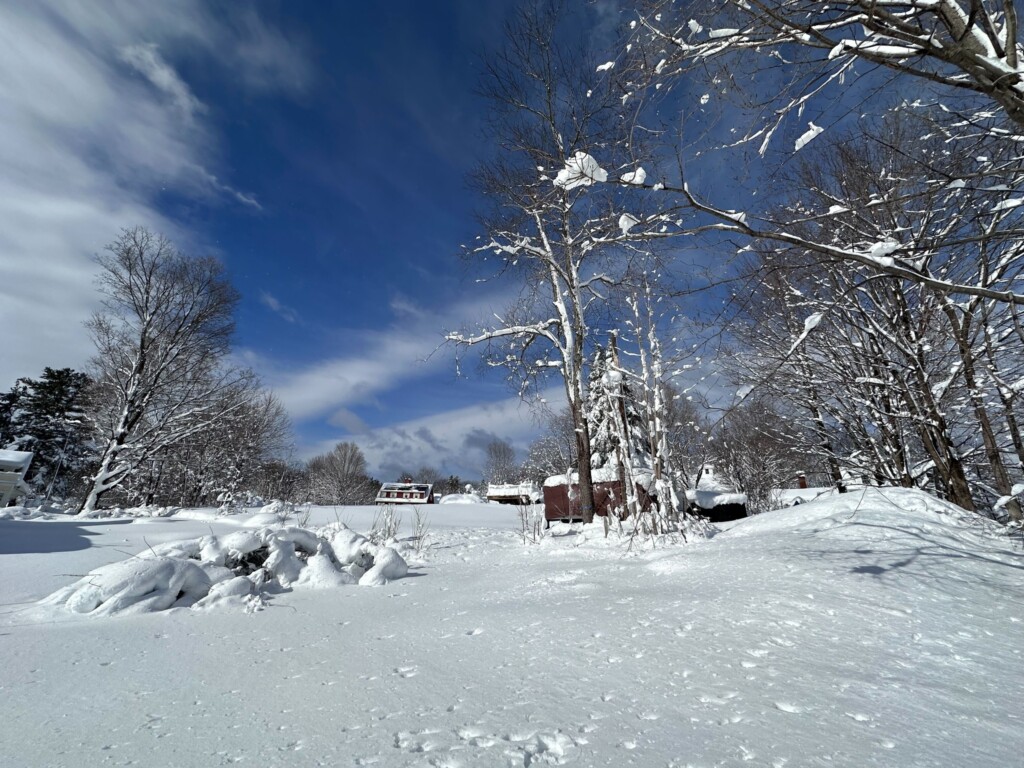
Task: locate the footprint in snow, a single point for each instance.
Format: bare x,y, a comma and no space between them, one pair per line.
793,709
474,632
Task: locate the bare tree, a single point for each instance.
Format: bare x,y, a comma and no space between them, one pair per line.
161,340
340,477
777,62
554,452
565,241
224,461
501,466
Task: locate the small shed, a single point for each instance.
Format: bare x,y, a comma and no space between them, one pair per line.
13,469
562,493
513,493
405,493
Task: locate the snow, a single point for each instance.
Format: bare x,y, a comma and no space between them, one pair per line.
581,170
639,176
462,498
707,499
870,629
812,321
1007,204
606,66
627,221
810,134
15,461
180,574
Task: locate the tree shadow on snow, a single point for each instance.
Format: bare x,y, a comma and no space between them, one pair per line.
26,537
920,555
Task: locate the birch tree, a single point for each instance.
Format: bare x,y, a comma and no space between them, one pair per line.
161,341
565,242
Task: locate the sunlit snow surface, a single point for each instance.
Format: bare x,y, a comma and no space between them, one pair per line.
871,629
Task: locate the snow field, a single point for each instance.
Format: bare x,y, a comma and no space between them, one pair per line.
867,630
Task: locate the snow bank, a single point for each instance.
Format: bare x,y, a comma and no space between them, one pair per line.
231,570
23,513
139,585
462,498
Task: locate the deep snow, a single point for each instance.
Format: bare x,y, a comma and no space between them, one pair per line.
872,629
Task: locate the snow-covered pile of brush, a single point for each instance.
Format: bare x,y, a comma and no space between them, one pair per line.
232,570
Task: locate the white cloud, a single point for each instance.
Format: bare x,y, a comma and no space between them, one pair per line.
453,441
287,313
95,122
146,59
375,361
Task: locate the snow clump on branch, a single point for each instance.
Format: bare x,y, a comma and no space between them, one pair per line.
627,221
581,170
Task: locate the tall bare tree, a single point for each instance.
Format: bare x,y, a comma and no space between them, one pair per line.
501,466
564,241
161,341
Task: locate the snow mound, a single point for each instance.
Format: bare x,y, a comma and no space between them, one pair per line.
23,513
874,515
462,498
231,570
139,585
388,566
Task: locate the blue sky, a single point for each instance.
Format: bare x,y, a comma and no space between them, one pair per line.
319,149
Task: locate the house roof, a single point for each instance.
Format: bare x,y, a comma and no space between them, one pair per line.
15,461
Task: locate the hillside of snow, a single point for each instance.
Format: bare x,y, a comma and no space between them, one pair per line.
878,628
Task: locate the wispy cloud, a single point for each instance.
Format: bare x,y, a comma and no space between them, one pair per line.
145,58
453,441
376,361
97,123
286,313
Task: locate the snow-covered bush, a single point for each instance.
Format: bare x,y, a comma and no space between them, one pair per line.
232,570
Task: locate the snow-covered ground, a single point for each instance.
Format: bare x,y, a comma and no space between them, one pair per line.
872,629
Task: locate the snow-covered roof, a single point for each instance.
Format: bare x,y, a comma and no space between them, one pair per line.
641,476
15,461
418,487
709,499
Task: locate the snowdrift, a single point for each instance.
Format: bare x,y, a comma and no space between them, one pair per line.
232,570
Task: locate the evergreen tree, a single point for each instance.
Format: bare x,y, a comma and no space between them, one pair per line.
600,418
10,403
609,396
47,416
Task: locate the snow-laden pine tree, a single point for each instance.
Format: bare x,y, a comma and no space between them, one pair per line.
48,416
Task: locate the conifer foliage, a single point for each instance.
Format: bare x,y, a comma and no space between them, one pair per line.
47,416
